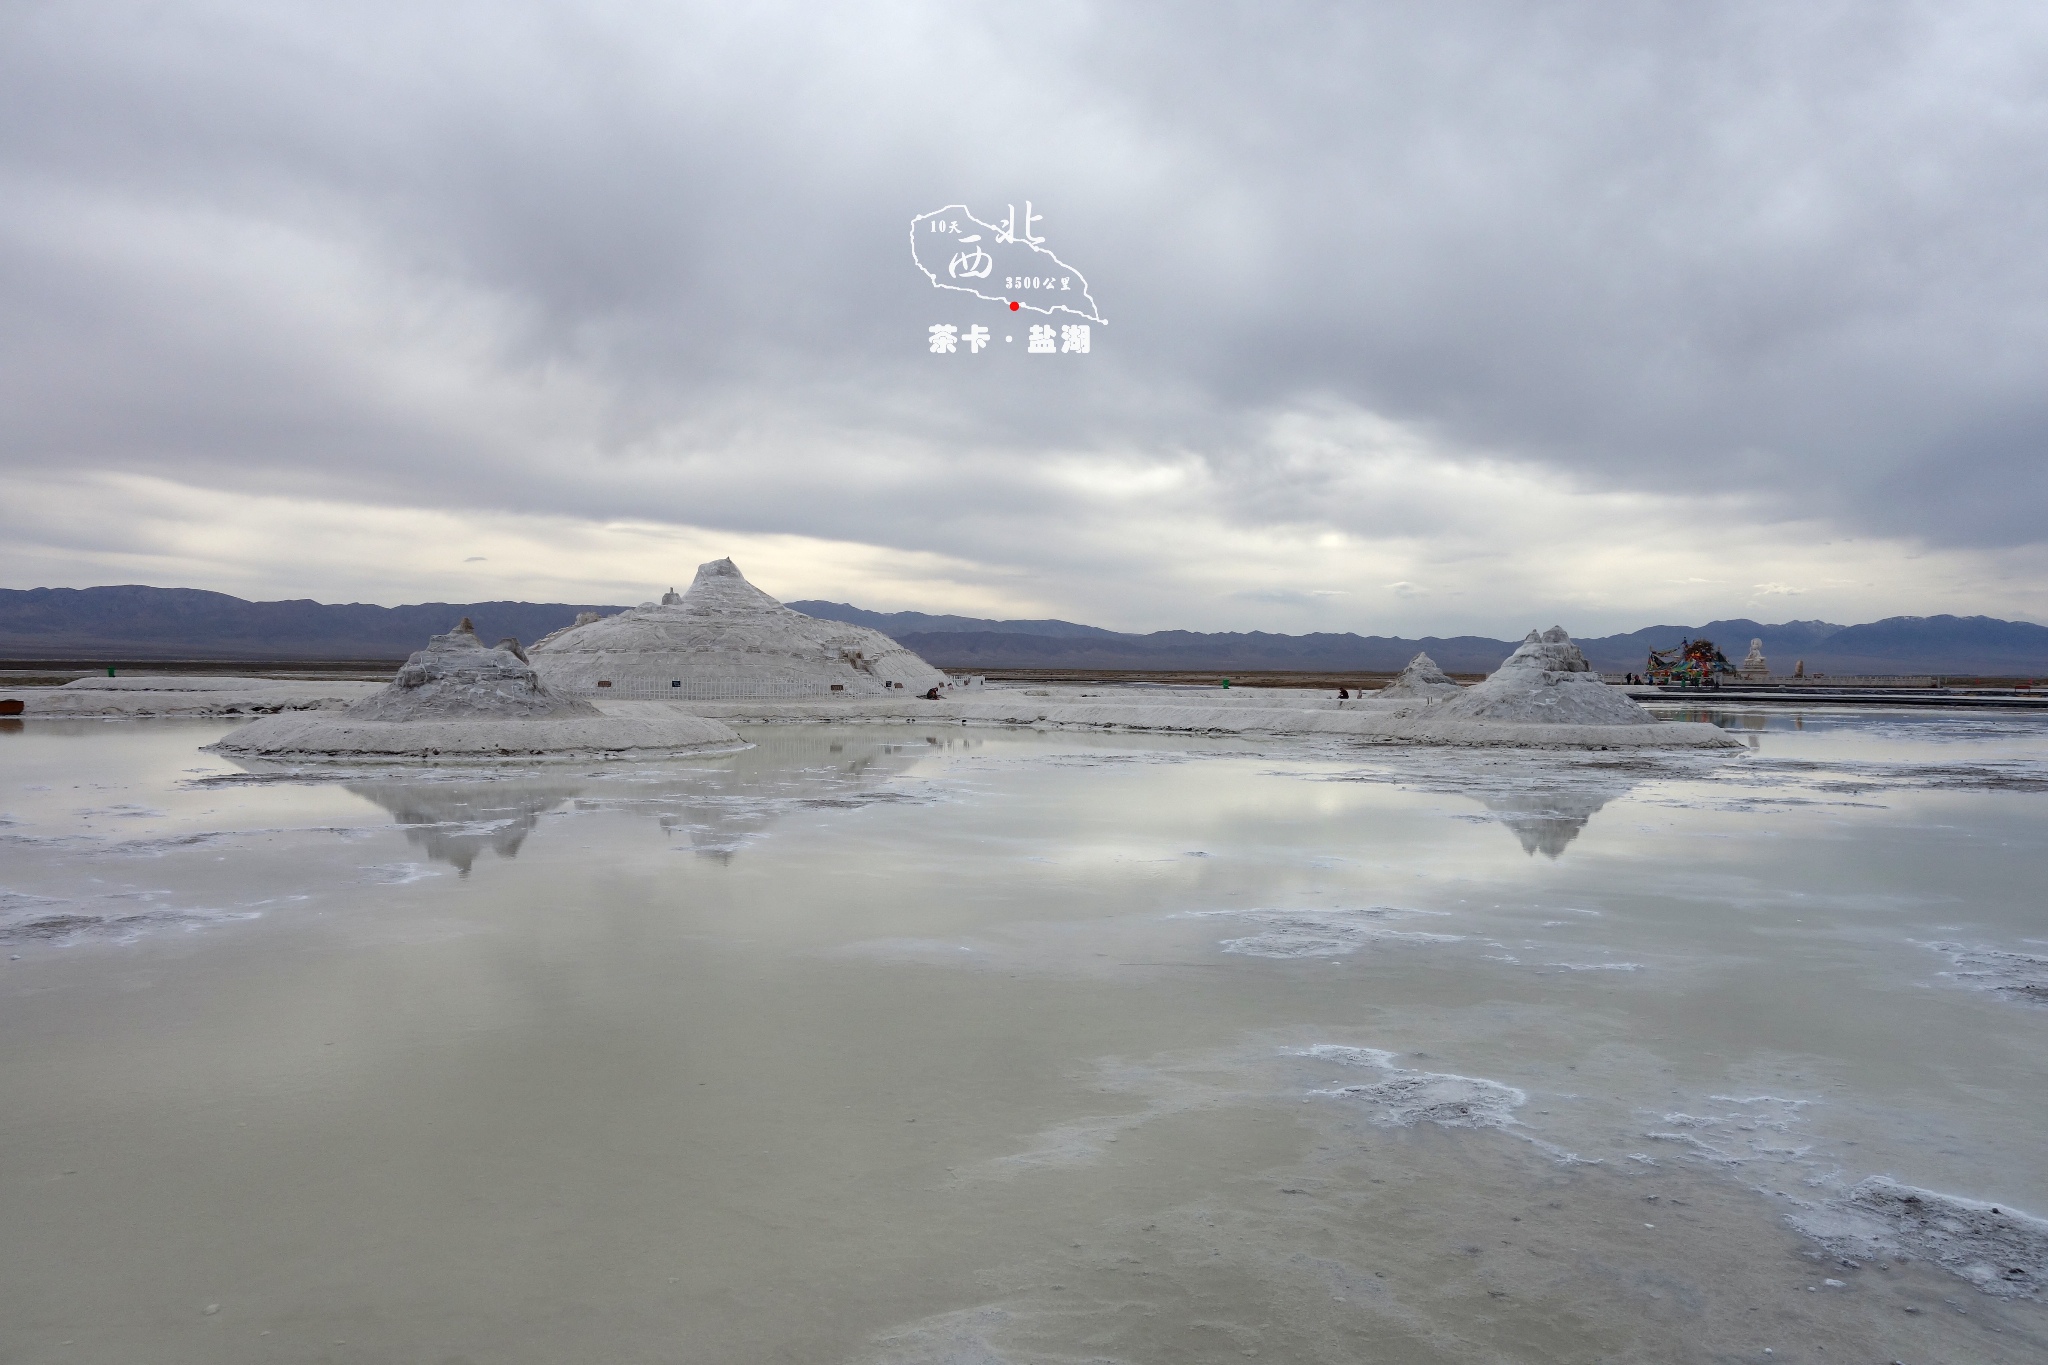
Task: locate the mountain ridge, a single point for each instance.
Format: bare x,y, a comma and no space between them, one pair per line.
138,622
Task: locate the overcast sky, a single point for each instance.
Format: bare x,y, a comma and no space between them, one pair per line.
1420,318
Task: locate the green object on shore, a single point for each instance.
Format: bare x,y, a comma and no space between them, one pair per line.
1226,681
110,670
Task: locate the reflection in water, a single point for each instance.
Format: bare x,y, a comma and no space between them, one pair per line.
714,805
726,803
1546,820
1546,799
1748,721
1317,1094
454,822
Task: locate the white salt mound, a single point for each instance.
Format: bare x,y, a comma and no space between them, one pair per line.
1421,679
1546,681
460,700
725,637
148,683
457,677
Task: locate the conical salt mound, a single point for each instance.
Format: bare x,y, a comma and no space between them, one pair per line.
458,677
1546,680
1423,680
725,638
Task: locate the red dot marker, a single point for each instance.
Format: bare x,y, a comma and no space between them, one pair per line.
1014,305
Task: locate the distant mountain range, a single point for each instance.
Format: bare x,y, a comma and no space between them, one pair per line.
1899,644
186,623
142,623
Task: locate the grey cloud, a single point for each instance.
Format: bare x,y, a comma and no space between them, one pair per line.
1790,254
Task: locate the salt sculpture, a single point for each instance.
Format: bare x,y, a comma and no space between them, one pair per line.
726,638
1545,681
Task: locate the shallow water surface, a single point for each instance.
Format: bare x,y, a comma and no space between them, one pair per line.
895,1044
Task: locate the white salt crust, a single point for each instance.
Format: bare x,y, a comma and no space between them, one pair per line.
217,683
2014,976
1997,1248
1408,1097
316,738
141,698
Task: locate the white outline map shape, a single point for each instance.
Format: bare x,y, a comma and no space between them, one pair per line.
1003,236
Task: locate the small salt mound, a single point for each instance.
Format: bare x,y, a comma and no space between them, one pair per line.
1545,681
458,677
1421,679
460,701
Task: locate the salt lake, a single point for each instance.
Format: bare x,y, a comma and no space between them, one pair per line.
945,1044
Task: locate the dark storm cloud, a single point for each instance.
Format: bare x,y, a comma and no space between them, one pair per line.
606,260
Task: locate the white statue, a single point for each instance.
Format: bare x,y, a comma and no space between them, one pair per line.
1755,667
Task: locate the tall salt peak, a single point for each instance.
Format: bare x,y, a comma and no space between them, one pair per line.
1421,680
720,589
458,677
1545,681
